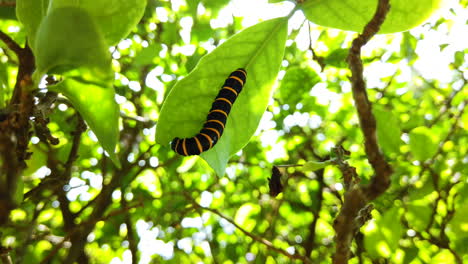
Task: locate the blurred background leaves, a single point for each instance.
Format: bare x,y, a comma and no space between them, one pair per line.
153,208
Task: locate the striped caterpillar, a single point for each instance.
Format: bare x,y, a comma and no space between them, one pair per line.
216,120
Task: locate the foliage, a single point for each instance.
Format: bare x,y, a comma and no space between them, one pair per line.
140,73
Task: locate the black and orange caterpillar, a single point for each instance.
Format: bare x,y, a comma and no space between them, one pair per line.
216,120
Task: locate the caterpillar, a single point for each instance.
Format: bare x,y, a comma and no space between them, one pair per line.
216,120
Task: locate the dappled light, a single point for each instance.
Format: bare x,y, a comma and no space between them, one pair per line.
318,131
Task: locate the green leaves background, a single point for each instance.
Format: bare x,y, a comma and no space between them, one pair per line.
155,191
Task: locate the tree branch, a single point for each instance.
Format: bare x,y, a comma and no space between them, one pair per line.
355,210
15,129
383,170
11,44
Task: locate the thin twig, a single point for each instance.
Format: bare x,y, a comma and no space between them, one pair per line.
319,59
255,237
289,165
11,44
145,121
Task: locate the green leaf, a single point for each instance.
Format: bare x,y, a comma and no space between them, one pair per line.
354,15
147,55
414,121
388,130
461,245
410,254
459,226
260,50
4,87
392,230
215,6
30,13
443,256
18,193
425,187
296,84
408,46
422,143
337,58
7,12
114,18
68,40
382,237
202,31
98,108
315,165
170,35
459,58
419,214
37,160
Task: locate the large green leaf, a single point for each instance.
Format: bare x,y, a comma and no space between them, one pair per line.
388,130
97,106
30,13
354,15
419,214
382,237
259,49
422,143
68,39
114,18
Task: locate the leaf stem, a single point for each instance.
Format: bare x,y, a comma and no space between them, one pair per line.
289,165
